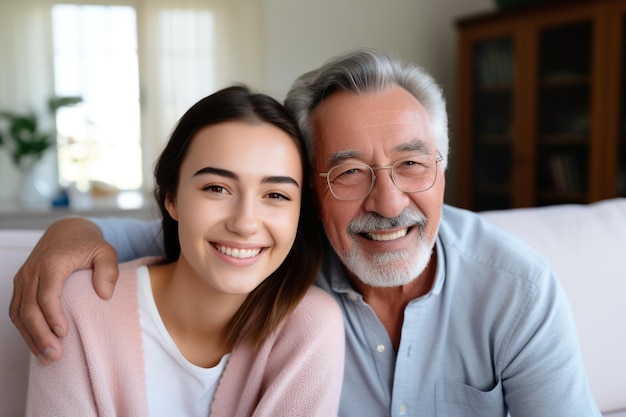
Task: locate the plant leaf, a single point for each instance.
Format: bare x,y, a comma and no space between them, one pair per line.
61,101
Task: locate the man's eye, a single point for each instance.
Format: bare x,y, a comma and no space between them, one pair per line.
349,173
412,165
353,169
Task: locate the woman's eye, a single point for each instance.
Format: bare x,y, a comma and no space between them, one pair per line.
215,189
278,196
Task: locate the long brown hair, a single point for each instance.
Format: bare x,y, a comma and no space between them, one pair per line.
268,304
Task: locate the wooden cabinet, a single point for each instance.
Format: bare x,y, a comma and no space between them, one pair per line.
542,95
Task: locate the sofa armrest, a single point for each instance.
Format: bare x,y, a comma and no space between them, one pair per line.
15,245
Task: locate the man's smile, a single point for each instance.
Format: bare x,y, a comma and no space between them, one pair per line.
387,236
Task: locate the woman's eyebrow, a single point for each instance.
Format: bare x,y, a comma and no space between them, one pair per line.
280,179
217,171
272,179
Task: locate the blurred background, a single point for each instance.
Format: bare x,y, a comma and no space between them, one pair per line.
137,65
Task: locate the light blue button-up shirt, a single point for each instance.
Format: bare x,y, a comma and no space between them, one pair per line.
494,335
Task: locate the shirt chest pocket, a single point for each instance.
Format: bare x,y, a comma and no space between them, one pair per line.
456,399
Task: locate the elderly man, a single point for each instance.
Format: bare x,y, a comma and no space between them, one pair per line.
445,315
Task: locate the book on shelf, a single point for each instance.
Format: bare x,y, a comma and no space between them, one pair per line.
565,173
494,64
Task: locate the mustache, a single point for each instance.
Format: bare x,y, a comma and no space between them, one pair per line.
368,222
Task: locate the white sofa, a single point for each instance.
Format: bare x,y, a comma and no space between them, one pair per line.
585,243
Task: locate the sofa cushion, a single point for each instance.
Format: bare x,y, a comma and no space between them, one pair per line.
586,244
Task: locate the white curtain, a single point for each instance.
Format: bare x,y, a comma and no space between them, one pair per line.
187,50
190,49
25,76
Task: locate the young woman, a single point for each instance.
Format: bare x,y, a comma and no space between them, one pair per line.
228,323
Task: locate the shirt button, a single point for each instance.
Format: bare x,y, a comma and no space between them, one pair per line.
402,409
380,348
352,296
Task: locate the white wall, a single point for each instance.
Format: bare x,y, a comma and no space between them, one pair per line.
301,34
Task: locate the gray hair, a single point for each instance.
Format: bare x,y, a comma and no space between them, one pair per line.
361,71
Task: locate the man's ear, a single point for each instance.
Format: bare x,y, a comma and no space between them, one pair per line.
170,206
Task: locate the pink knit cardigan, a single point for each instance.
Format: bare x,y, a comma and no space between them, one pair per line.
297,372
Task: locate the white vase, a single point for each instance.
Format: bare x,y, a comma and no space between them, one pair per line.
32,191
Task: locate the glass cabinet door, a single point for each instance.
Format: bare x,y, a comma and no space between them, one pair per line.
563,113
621,146
492,139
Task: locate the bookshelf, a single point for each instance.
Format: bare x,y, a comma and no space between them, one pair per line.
542,95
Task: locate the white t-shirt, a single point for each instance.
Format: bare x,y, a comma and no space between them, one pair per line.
175,386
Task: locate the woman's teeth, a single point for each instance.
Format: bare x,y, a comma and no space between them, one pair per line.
388,236
237,253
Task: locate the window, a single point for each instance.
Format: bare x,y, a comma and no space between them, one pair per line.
95,57
178,52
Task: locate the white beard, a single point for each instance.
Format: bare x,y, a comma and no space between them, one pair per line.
388,269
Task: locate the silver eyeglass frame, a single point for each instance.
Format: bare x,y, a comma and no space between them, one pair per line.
373,170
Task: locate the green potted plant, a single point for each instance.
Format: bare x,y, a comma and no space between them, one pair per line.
22,136
26,143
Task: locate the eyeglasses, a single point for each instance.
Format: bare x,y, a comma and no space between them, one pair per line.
355,181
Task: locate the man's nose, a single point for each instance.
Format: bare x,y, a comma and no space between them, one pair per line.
385,198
